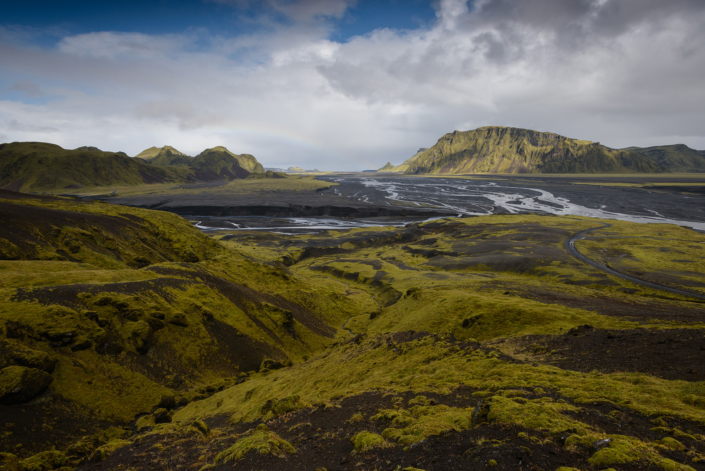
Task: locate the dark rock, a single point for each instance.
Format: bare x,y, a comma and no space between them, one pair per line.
19,384
110,348
581,329
162,416
271,365
167,402
179,320
81,345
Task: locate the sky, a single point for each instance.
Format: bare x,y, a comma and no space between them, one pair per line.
348,84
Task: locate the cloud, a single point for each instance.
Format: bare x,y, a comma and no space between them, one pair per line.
14,125
622,72
28,87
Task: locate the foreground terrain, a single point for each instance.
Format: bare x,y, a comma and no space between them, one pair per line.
132,341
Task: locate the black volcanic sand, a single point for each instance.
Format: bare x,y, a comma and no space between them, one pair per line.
322,438
673,354
275,204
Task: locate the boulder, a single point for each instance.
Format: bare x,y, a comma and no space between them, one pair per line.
20,384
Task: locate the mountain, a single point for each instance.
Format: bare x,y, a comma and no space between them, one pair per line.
37,166
674,158
166,155
218,162
403,167
245,161
497,149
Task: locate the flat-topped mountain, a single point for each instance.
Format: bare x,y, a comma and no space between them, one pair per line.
497,149
38,166
675,158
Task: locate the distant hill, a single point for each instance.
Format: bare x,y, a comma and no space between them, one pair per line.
219,163
403,167
246,161
674,158
166,155
301,170
497,149
38,166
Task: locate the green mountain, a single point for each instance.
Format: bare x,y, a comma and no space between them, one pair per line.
403,167
674,158
219,163
497,149
245,161
166,155
37,166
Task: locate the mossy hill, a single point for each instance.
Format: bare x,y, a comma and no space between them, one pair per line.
136,342
675,158
221,161
403,167
215,162
37,166
496,149
166,155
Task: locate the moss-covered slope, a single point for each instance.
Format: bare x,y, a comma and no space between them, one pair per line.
221,159
404,166
36,166
166,155
466,343
496,149
675,158
124,307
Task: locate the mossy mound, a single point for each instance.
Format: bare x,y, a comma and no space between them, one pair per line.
19,384
261,440
366,441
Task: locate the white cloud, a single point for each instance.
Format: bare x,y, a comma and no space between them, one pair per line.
623,72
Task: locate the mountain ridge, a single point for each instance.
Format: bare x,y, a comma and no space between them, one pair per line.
498,149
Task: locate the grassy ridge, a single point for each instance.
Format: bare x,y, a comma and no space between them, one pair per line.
32,166
675,158
496,149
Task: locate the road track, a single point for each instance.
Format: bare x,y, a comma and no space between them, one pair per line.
570,247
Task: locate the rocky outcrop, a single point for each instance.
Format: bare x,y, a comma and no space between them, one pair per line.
496,149
19,384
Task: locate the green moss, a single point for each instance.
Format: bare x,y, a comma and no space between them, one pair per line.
44,461
103,453
423,421
672,444
261,440
366,441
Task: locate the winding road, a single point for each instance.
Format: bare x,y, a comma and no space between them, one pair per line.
570,247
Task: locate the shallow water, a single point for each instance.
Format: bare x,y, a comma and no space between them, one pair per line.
485,197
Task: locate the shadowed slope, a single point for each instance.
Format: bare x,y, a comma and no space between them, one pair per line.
674,158
36,166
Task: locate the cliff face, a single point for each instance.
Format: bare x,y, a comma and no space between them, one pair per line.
496,149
